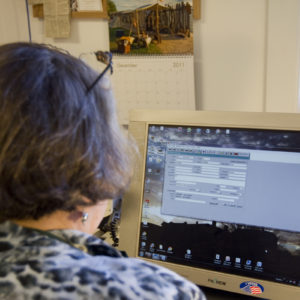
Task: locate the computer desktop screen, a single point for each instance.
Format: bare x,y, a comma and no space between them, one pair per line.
216,197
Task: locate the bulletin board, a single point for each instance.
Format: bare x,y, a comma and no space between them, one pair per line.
38,12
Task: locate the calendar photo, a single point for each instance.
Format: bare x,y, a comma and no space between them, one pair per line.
150,27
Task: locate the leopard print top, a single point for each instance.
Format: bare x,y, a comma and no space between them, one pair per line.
68,264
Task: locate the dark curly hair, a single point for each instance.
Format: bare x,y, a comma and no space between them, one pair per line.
57,142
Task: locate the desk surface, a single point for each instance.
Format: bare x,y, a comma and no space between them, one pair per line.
212,294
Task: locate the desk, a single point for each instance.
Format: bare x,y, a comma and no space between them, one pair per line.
212,294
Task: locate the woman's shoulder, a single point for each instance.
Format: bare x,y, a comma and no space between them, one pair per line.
149,280
43,264
128,278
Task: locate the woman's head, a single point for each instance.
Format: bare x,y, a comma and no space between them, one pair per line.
58,143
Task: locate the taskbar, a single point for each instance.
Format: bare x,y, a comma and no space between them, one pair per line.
226,266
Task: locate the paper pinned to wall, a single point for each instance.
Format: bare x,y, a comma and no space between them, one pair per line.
57,18
89,5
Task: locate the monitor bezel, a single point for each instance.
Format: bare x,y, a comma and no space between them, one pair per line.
133,199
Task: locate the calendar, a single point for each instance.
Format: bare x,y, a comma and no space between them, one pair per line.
153,82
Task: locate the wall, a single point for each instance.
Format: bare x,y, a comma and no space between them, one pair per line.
87,35
282,81
247,56
246,52
229,55
13,23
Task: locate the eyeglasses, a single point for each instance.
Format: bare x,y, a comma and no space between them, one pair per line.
106,58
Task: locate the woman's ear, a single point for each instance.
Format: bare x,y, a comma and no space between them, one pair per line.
89,217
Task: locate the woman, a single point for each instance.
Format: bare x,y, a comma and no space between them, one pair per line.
62,158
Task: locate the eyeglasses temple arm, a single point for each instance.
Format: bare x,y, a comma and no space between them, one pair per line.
98,78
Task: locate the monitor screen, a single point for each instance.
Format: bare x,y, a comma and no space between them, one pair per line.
218,197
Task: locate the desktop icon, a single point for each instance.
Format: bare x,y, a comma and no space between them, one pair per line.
259,264
163,257
155,256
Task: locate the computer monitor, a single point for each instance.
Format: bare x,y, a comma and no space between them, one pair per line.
216,198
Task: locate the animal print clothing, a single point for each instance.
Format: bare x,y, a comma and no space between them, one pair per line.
68,264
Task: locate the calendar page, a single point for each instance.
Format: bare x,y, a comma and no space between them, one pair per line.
153,82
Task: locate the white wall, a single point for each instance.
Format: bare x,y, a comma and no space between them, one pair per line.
87,35
247,56
13,21
246,51
282,82
230,55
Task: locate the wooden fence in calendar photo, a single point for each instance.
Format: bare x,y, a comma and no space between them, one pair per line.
152,29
